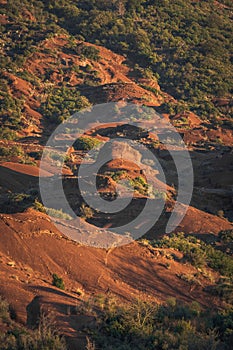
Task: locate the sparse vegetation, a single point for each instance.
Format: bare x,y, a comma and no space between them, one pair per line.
182,45
179,43
45,337
9,152
118,175
143,325
198,253
56,213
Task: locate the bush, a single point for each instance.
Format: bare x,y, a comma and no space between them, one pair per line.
196,257
86,212
4,310
56,213
37,205
7,134
58,281
10,110
86,143
223,289
219,261
9,152
140,185
226,236
89,52
117,175
61,103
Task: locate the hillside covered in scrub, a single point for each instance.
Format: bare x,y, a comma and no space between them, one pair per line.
184,45
159,292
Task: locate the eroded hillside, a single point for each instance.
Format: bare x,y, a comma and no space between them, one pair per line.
48,74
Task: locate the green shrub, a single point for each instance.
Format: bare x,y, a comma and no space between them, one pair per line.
7,134
167,40
61,103
140,185
196,257
4,310
150,88
58,281
223,289
219,261
37,205
58,156
56,213
86,212
14,151
89,52
86,143
226,236
117,175
10,110
223,323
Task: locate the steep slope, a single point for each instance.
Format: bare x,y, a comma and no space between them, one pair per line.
32,249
